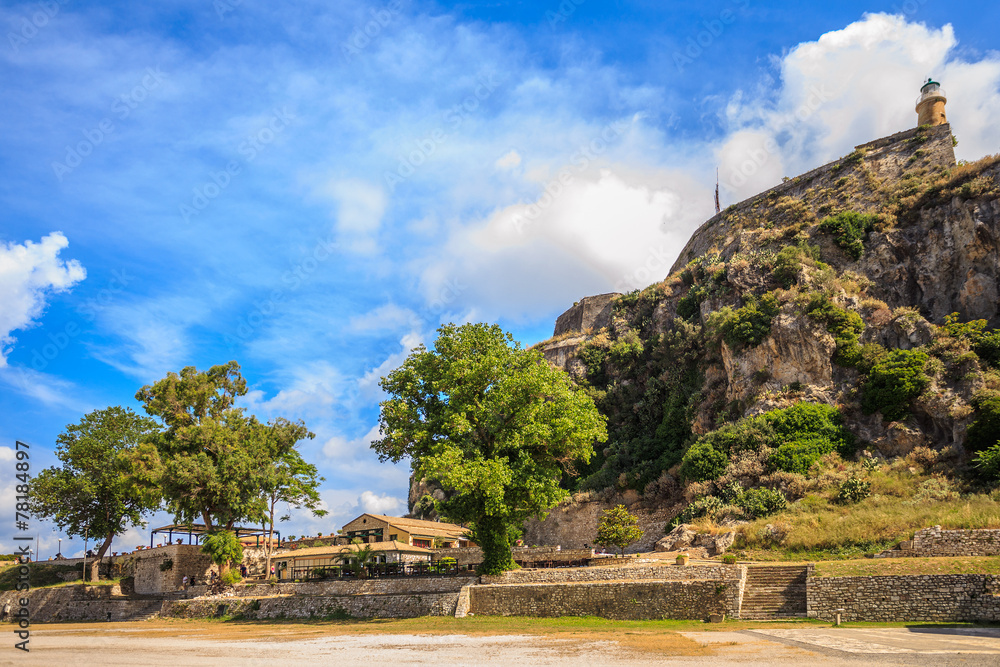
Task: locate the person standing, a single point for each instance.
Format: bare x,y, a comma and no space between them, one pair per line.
184,583
6,611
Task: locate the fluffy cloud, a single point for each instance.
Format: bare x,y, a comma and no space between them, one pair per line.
851,86
29,272
360,207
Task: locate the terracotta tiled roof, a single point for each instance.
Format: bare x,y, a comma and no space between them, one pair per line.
421,527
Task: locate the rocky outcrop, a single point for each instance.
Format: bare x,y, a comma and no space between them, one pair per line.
592,312
684,538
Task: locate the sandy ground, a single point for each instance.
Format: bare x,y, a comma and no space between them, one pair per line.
124,644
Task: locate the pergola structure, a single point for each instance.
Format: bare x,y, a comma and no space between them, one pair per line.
196,531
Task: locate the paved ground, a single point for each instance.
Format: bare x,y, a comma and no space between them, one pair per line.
61,645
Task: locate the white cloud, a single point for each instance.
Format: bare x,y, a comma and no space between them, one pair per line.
851,86
313,390
339,448
360,207
368,384
153,333
508,160
388,317
6,454
379,504
45,388
28,273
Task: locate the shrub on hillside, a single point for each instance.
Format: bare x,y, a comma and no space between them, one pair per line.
988,348
703,462
761,502
745,435
849,230
844,325
798,455
751,324
893,382
805,421
853,490
986,463
984,432
709,506
788,262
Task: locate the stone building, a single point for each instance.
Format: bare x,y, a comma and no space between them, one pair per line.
302,563
375,528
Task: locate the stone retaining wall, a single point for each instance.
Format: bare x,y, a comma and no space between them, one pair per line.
658,572
387,586
937,597
80,603
317,606
936,542
620,600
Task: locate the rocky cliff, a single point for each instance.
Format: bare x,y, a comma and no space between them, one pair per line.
832,289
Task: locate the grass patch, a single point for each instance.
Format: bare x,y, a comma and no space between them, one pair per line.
891,566
40,575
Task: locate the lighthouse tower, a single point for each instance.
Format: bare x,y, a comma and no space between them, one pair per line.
930,104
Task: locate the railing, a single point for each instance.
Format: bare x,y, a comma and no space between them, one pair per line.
381,570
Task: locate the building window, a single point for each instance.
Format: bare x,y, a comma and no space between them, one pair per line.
393,538
426,544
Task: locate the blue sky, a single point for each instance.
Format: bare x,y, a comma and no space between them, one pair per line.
311,189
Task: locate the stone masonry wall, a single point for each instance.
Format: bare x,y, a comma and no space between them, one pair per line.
936,542
657,572
387,586
80,603
938,597
620,600
187,560
311,606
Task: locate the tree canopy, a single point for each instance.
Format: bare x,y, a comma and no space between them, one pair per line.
214,464
96,491
618,528
495,424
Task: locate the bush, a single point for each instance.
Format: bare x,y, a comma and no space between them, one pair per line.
853,490
751,324
987,464
984,432
729,559
788,262
849,230
689,305
761,502
893,382
798,455
988,348
702,462
707,506
844,325
745,435
806,421
232,576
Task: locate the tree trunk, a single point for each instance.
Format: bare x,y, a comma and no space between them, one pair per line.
267,545
95,567
497,558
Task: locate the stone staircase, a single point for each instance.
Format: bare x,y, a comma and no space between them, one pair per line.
774,591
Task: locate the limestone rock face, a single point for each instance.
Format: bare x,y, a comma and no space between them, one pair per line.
684,538
562,353
797,350
592,312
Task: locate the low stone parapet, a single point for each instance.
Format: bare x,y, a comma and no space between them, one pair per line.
381,586
317,606
581,574
937,542
620,600
933,597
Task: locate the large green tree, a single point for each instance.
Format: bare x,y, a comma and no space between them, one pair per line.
210,459
495,424
288,479
96,490
618,528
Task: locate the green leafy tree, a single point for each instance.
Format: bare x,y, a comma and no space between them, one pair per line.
96,491
618,528
358,559
224,548
288,479
495,424
211,460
